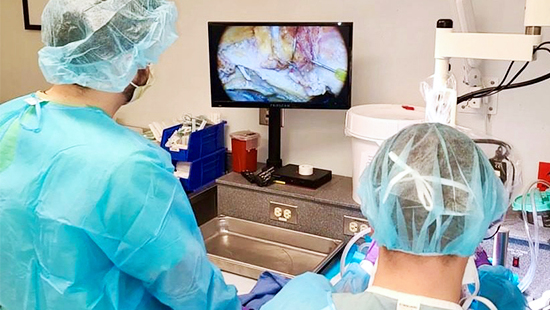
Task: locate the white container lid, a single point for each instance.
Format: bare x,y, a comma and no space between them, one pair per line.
378,122
251,138
245,135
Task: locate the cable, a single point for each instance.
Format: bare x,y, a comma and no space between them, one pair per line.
533,241
494,90
354,239
496,232
504,78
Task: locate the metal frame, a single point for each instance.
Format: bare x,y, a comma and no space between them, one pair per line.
26,17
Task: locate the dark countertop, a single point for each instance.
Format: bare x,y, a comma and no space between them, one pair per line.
336,192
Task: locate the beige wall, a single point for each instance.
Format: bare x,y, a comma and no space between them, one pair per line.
393,52
19,73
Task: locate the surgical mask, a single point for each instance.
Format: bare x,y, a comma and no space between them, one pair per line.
140,90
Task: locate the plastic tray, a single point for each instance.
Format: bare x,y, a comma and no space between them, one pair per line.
205,170
201,143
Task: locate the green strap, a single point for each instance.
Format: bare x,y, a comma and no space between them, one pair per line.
8,144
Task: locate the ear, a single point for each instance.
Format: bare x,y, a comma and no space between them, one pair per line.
141,77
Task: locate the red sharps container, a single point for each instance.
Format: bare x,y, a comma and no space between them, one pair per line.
244,146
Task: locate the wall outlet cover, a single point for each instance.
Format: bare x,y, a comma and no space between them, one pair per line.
283,212
353,225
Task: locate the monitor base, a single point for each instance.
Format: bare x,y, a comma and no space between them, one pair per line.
289,175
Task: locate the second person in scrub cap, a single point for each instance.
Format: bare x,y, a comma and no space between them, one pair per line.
430,194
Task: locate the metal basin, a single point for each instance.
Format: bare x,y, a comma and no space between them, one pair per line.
248,248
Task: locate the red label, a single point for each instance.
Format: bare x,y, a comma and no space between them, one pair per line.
544,174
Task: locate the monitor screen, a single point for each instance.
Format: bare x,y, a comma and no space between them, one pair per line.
280,65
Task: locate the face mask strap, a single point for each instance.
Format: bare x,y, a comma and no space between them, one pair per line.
140,90
150,79
37,104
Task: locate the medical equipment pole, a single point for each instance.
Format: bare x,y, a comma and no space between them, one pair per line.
500,247
442,66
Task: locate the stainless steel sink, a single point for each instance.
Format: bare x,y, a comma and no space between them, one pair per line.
247,248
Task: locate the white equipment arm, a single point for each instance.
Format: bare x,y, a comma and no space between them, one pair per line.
518,47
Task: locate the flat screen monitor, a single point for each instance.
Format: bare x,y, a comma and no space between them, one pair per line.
280,65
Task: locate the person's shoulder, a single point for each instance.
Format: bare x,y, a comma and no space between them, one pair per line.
118,140
101,141
14,104
135,147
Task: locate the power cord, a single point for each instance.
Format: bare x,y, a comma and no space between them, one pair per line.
485,92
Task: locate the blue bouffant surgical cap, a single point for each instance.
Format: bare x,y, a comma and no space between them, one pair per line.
430,190
102,44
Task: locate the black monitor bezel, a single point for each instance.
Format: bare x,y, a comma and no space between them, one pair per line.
216,88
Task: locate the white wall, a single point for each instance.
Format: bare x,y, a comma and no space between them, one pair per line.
393,52
309,136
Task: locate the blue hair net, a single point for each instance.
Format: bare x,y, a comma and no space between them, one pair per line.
102,44
430,190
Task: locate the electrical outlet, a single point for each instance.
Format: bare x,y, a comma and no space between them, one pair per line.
470,106
491,101
475,103
283,213
486,105
264,116
353,225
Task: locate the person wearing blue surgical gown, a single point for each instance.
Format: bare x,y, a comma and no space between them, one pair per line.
91,216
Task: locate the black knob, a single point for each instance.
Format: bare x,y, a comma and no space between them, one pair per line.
445,23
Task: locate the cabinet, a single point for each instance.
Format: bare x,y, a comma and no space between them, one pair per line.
320,212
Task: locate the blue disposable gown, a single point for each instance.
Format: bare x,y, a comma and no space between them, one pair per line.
91,217
313,292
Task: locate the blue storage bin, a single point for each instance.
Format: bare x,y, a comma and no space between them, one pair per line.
205,170
201,143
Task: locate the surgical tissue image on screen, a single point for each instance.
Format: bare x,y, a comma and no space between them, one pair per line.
282,64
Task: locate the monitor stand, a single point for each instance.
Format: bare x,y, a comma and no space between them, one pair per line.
274,138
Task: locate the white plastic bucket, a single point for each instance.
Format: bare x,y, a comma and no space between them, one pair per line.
369,125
